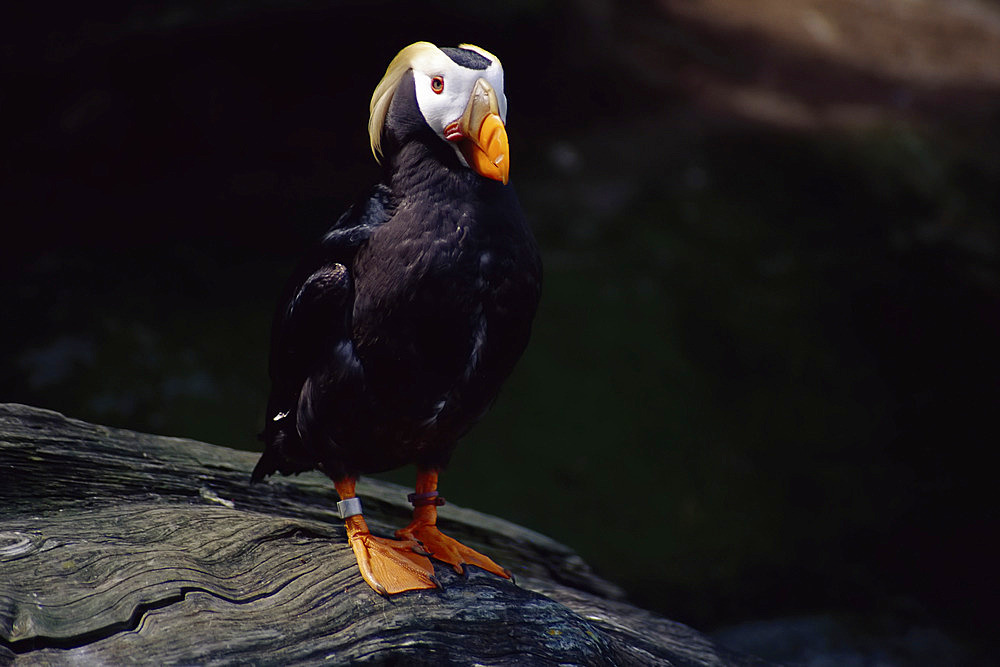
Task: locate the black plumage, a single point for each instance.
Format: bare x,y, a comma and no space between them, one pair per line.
394,335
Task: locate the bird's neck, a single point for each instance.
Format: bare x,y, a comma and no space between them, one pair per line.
430,168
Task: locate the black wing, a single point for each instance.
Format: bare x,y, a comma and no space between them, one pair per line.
311,336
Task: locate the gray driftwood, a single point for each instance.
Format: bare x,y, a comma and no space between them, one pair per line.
117,546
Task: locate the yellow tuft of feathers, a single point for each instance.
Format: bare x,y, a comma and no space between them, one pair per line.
382,97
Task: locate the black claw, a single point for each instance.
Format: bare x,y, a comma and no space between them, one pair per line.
436,581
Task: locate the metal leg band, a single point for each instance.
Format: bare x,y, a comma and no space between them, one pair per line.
349,507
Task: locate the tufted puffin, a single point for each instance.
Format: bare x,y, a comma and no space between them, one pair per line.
393,336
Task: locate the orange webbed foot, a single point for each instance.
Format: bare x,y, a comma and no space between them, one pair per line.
389,566
424,529
448,550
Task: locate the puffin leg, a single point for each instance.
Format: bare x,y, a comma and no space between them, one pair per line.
389,566
424,529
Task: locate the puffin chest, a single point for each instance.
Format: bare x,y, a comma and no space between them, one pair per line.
424,306
449,299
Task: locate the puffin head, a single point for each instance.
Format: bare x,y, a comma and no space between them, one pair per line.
459,95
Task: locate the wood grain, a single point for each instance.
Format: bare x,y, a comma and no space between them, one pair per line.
120,547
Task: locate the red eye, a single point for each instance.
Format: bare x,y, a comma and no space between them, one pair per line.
437,84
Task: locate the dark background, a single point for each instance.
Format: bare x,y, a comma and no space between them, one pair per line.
763,379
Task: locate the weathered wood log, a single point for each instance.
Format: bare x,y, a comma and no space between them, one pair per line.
117,546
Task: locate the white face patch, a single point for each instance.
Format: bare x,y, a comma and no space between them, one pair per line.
431,68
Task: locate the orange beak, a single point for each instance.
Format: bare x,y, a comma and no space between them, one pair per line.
482,134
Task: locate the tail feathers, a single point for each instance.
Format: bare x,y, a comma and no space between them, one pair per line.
283,452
